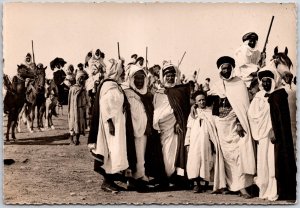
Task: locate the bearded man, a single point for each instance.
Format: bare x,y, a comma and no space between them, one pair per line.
230,107
171,111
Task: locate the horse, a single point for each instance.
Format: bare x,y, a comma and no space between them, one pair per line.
15,97
35,98
280,64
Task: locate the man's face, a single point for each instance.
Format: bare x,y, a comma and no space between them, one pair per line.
266,83
170,77
252,43
28,59
226,70
139,80
141,62
200,101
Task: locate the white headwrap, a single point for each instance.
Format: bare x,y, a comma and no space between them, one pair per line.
163,78
116,69
133,69
231,75
274,84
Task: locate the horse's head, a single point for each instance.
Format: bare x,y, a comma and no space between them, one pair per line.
282,62
25,72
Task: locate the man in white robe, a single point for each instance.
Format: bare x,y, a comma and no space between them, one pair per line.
230,108
247,57
171,110
108,139
138,84
262,131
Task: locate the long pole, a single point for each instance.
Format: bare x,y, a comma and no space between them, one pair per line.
33,59
181,59
119,51
146,56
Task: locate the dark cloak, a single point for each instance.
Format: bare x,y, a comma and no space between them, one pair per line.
179,98
130,145
154,163
285,163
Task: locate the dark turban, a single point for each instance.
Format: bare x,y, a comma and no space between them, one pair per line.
250,35
265,73
169,69
225,60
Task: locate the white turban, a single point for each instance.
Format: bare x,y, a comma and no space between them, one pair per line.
133,69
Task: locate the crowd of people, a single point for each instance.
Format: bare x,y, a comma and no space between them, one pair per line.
152,129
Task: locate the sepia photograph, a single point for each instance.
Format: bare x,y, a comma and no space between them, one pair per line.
149,103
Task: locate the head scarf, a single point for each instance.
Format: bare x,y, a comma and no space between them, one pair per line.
132,71
81,74
168,67
116,69
265,72
226,60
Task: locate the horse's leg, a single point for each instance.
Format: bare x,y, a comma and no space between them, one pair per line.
21,114
29,119
8,125
41,113
15,122
47,113
32,116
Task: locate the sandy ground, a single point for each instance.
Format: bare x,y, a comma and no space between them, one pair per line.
47,170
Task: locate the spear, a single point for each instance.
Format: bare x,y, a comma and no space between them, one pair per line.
146,56
119,51
181,59
33,59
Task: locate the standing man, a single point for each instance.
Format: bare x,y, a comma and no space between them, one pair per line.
111,139
230,107
147,143
248,58
78,104
171,111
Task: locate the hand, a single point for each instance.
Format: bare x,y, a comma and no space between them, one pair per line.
187,148
92,146
194,111
241,132
178,130
273,140
111,127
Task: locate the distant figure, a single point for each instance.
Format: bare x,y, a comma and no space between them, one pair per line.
29,62
206,86
77,108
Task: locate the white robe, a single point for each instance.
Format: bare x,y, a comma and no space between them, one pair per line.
238,152
113,148
247,62
139,122
201,162
164,121
261,126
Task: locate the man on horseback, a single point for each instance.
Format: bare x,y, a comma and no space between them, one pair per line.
29,62
248,58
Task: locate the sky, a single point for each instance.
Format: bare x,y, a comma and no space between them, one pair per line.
206,31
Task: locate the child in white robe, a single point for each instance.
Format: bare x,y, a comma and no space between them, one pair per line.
200,139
